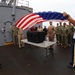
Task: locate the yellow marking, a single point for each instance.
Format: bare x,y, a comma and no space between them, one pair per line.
9,43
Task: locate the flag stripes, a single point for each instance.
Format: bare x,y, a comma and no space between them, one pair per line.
28,21
33,18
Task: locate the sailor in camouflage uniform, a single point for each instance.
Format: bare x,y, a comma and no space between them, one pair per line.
57,33
64,36
70,33
60,33
15,35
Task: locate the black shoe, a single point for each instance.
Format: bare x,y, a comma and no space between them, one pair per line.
71,63
0,66
71,66
20,47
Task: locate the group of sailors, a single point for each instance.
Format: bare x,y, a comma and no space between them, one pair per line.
39,28
18,34
64,34
63,31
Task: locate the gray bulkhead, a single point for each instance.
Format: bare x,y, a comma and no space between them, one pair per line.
7,20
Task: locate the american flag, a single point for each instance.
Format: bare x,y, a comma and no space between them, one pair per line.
33,18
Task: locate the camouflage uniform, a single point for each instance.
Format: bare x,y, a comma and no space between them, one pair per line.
15,35
70,34
64,36
60,35
57,33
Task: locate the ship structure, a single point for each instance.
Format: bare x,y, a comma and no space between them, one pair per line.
10,13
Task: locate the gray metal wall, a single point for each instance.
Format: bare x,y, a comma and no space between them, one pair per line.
6,21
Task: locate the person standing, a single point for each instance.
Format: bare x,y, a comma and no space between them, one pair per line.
20,37
51,36
51,33
32,28
70,28
70,19
60,34
57,33
15,35
64,35
45,30
39,29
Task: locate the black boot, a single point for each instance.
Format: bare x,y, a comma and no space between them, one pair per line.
0,66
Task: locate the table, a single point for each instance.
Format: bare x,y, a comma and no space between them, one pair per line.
44,44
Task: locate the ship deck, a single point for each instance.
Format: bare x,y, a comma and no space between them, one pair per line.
30,61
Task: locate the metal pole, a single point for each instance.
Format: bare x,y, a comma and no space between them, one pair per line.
14,6
13,11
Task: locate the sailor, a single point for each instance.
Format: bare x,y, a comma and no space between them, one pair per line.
64,35
70,19
57,33
39,29
70,33
20,37
15,35
60,34
51,33
45,30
